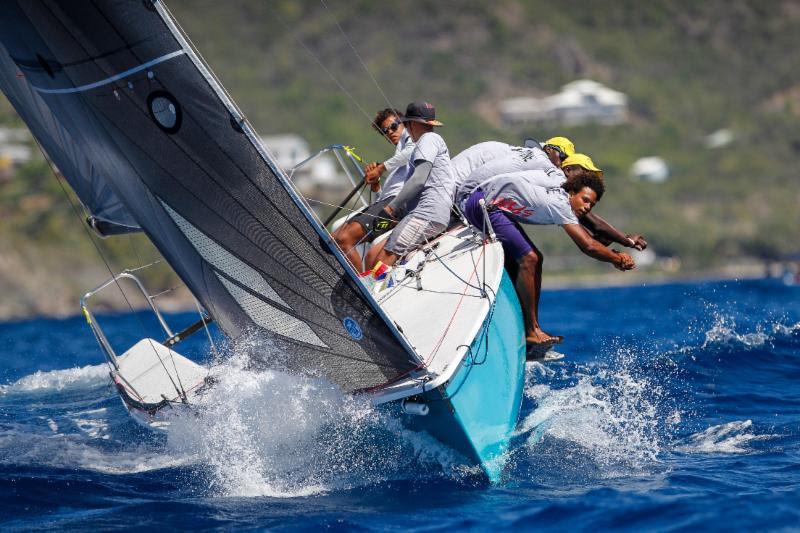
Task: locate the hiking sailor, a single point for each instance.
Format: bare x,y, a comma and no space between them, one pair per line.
514,199
515,159
484,161
424,203
359,228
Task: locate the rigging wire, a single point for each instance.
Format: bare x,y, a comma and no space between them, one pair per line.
352,47
327,71
77,211
205,327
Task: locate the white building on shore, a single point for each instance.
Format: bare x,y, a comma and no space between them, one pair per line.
15,147
579,102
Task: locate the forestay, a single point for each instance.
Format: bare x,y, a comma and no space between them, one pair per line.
137,103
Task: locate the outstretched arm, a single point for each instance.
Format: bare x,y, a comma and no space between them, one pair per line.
606,233
593,248
410,189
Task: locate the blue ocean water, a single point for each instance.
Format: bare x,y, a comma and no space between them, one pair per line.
677,407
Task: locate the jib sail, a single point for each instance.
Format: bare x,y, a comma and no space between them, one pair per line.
143,109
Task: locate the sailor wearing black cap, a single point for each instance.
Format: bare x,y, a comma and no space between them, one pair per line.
426,199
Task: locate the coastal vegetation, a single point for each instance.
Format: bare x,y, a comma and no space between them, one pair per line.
689,69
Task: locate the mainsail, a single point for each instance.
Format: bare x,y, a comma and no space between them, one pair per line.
142,109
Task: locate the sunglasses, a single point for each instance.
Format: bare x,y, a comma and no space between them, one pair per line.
561,154
392,127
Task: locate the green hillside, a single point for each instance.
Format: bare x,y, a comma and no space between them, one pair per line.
688,68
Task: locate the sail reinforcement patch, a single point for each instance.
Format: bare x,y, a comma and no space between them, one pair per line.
228,267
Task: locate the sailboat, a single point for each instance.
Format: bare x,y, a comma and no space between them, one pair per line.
150,141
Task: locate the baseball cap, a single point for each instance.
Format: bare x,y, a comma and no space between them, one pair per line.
563,143
421,112
581,160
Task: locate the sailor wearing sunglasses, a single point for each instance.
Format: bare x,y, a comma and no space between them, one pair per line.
362,228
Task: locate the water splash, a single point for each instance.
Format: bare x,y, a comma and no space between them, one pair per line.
58,380
723,333
732,438
614,419
267,433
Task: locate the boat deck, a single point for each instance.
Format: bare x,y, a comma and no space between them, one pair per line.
441,309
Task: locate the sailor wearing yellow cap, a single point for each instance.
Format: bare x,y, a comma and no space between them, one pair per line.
575,162
546,157
558,149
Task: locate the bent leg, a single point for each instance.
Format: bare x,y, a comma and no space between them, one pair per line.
410,234
348,236
374,255
529,287
526,261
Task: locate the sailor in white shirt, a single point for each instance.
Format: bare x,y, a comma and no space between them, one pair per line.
516,199
547,158
424,204
361,227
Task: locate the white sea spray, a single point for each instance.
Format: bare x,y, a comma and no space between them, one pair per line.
730,438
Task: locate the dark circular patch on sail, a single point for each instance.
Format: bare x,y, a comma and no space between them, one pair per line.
165,111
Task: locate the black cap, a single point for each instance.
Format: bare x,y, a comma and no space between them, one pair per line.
421,112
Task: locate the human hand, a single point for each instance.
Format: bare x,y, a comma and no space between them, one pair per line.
624,262
636,241
372,175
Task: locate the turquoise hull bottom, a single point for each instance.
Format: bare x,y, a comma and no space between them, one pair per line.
477,410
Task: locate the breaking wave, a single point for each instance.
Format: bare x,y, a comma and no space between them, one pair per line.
726,332
267,433
731,438
59,380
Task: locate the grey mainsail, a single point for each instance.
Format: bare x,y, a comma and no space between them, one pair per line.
140,105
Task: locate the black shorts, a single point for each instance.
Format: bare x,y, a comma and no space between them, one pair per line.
366,218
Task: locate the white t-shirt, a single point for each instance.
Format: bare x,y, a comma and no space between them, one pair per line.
520,159
399,167
436,198
519,196
476,156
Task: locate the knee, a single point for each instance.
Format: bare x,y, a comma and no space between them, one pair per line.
345,236
532,259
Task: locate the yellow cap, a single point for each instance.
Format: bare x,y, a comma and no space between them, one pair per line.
562,142
581,160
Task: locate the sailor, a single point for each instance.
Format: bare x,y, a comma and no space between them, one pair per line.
548,158
515,199
476,156
424,203
359,228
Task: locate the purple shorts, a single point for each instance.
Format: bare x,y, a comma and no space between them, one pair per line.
509,233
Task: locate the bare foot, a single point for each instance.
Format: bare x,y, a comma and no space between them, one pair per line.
539,337
559,338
